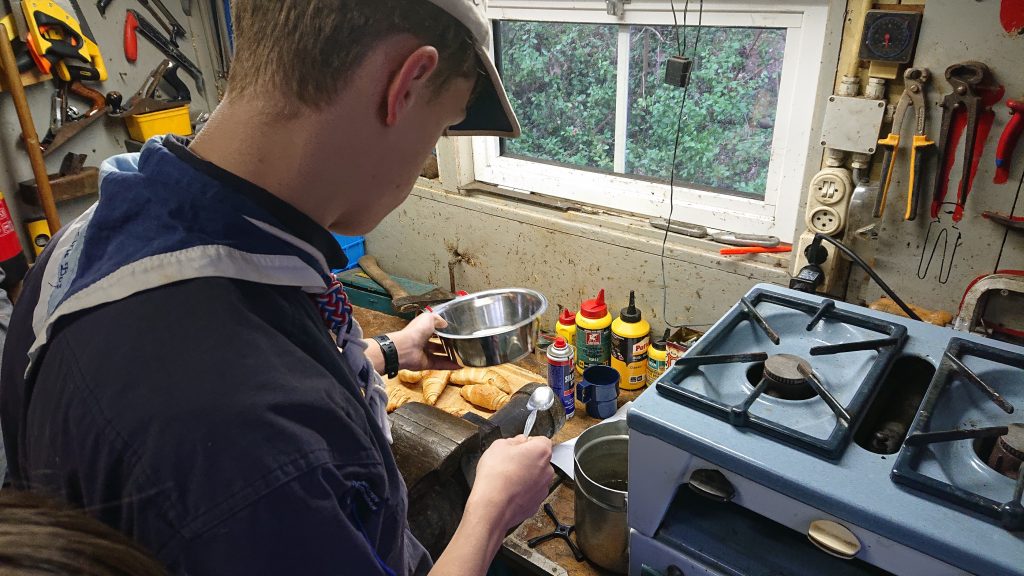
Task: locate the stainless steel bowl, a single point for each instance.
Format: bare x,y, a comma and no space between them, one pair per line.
491,327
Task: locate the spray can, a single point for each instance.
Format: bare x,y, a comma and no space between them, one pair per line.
561,376
566,326
631,336
657,358
593,334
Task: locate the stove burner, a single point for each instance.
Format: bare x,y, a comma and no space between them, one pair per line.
1008,453
785,380
717,391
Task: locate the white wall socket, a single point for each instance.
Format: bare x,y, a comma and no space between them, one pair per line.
828,201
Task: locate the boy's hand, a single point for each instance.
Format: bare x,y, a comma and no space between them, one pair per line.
512,481
416,351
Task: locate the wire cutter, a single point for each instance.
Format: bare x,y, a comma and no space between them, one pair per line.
965,78
915,80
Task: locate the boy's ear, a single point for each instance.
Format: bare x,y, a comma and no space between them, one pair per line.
409,82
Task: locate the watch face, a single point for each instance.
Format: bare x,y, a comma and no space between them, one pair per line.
890,36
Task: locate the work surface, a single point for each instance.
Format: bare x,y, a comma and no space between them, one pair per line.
531,368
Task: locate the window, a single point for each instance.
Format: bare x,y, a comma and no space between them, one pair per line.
599,125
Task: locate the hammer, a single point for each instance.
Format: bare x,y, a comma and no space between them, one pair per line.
401,301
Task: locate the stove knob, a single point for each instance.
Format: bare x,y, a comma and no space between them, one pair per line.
711,484
834,538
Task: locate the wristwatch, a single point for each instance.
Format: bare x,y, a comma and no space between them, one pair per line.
390,351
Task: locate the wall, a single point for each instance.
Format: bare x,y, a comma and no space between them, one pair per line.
107,136
955,31
568,256
568,260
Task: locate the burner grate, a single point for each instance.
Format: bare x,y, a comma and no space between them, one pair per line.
911,468
791,342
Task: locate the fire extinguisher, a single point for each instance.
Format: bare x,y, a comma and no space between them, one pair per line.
12,257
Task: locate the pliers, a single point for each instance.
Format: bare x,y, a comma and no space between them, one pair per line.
915,80
965,78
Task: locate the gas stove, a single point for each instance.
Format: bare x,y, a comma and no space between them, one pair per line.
806,436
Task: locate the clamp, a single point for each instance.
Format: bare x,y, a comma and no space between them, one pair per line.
915,80
965,78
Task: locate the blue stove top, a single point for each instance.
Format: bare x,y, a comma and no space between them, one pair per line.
855,485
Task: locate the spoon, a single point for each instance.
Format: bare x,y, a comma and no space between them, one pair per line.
541,399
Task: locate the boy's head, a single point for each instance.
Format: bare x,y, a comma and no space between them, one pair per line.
364,89
307,50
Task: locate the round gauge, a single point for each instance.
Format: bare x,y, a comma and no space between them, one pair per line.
890,36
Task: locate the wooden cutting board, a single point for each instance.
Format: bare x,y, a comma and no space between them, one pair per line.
451,399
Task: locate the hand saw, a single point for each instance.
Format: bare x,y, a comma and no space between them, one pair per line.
57,40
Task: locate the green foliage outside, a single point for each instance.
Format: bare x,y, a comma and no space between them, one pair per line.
561,78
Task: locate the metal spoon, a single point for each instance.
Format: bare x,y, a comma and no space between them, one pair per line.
541,399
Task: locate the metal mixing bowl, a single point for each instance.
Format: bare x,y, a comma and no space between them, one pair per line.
491,327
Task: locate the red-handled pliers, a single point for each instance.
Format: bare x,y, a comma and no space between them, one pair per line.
1008,141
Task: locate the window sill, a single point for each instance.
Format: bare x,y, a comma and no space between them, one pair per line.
629,231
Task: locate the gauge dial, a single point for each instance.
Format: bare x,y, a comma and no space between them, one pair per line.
890,36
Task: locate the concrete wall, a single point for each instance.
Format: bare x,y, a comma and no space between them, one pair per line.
954,31
106,137
568,256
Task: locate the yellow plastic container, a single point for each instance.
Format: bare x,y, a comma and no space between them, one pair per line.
566,327
657,358
173,121
631,337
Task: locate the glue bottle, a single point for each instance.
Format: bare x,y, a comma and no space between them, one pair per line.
631,336
657,357
593,334
566,327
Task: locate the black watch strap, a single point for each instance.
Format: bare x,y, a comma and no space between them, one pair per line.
390,351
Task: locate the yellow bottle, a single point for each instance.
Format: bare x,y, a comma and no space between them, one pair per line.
631,336
657,358
593,334
566,327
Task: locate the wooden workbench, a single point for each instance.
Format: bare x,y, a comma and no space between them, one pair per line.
562,499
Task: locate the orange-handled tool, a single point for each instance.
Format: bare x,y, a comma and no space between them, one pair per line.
915,80
1008,141
755,250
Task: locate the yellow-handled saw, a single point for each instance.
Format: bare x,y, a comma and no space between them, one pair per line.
61,44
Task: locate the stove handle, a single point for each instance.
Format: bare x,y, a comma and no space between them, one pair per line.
711,484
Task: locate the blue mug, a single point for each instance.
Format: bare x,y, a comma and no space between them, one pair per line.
599,390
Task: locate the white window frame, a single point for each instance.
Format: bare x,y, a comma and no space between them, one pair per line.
805,22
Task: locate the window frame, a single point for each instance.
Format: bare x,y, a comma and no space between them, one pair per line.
803,68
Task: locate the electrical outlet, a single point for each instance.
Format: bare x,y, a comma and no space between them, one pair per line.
829,200
825,220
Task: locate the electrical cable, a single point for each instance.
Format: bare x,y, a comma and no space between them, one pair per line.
1006,233
675,152
871,272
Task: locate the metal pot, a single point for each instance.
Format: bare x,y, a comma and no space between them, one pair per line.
600,464
491,327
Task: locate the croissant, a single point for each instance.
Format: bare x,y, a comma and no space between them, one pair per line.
485,396
396,398
473,376
434,383
410,376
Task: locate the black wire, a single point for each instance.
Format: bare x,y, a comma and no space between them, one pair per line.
675,154
874,275
1006,233
675,22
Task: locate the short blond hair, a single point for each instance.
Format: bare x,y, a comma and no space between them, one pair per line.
306,50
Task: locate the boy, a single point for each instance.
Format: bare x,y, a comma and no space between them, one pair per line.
182,364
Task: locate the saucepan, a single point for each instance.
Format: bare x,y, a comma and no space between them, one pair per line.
491,327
